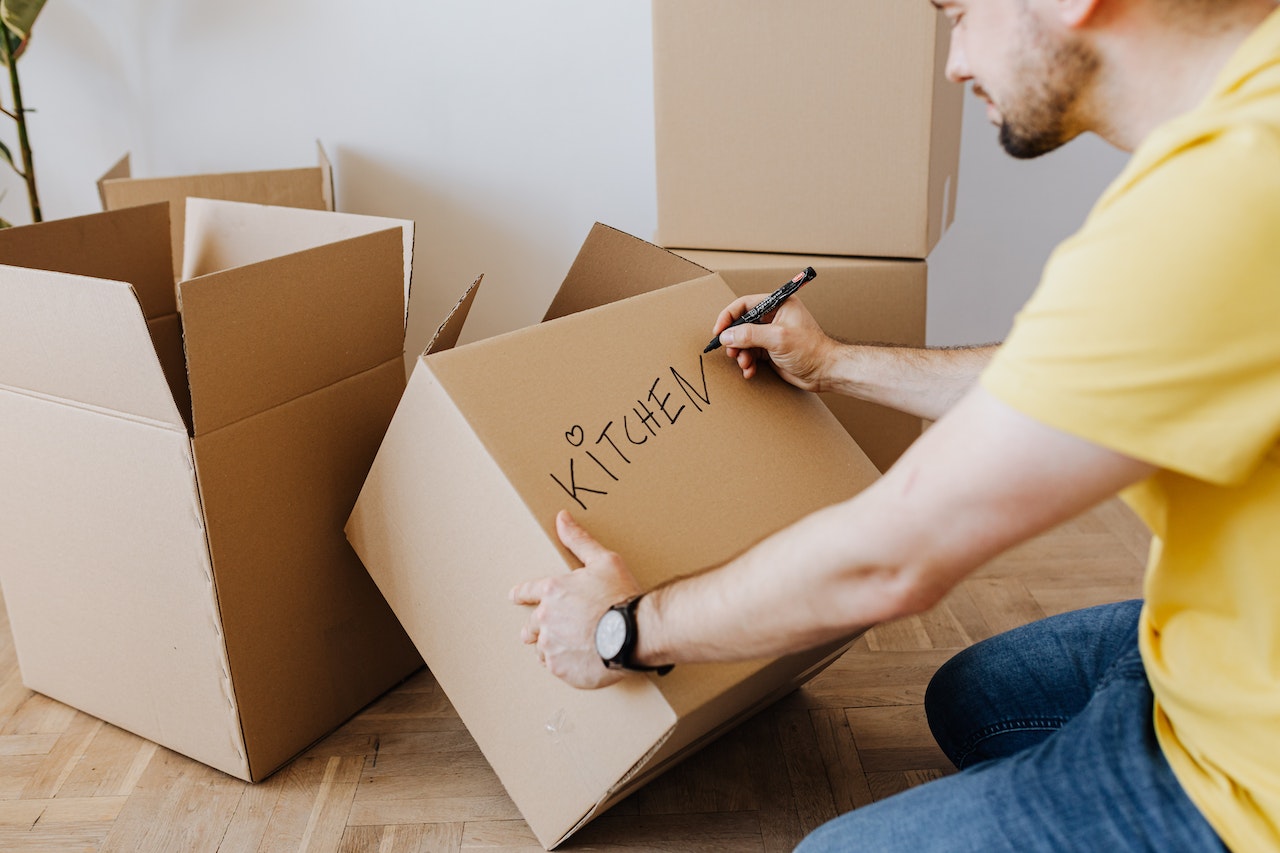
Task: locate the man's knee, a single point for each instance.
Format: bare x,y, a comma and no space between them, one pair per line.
944,699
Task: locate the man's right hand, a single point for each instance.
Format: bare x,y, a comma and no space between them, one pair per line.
791,339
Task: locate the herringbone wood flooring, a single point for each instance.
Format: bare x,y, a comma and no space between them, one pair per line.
404,775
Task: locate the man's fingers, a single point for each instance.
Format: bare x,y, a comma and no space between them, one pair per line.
736,309
576,538
750,336
531,592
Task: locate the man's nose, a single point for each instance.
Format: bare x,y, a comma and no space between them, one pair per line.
957,62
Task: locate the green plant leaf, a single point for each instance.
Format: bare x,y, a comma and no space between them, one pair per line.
20,15
7,156
17,17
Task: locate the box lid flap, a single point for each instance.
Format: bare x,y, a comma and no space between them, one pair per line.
224,234
446,337
302,187
260,335
83,341
326,177
613,265
125,245
121,169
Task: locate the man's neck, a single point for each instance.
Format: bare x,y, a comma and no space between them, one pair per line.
1157,70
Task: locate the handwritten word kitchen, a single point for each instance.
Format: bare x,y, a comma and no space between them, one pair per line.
606,453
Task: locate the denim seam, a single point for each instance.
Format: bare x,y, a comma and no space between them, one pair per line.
1122,671
1024,725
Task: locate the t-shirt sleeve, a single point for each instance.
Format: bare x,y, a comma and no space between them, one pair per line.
1156,329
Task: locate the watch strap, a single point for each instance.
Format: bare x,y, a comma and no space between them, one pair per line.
624,659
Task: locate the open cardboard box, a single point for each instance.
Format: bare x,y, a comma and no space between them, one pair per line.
610,410
309,187
858,300
811,126
171,544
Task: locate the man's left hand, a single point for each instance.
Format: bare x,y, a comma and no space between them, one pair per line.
567,607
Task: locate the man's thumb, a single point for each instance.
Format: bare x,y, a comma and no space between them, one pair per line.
746,336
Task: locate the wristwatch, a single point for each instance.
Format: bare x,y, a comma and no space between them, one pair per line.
616,638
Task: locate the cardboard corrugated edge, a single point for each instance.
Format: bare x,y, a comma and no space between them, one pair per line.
446,336
115,327
326,177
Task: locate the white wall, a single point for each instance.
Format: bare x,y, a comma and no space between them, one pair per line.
504,127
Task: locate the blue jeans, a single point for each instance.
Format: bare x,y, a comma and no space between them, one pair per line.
1050,726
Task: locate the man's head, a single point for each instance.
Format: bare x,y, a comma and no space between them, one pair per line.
1050,70
1034,73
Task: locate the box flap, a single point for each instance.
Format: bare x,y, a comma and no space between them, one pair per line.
81,341
326,177
446,337
127,245
225,234
303,187
445,537
120,170
613,265
258,336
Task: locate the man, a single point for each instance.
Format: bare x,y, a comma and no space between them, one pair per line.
1147,361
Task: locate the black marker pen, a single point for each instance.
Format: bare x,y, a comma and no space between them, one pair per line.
768,304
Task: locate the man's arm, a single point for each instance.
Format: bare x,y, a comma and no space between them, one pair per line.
982,479
918,381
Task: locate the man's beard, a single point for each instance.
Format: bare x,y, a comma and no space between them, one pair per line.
1043,118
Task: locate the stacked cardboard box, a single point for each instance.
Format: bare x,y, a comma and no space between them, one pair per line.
177,469
815,133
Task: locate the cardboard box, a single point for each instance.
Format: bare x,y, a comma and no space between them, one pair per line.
857,300
309,187
667,456
812,126
171,544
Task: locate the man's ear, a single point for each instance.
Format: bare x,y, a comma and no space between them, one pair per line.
1078,13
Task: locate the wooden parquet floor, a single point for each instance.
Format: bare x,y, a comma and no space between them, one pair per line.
404,775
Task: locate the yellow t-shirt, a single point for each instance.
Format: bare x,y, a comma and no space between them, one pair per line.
1156,332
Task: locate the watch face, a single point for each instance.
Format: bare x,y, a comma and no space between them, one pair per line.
611,633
